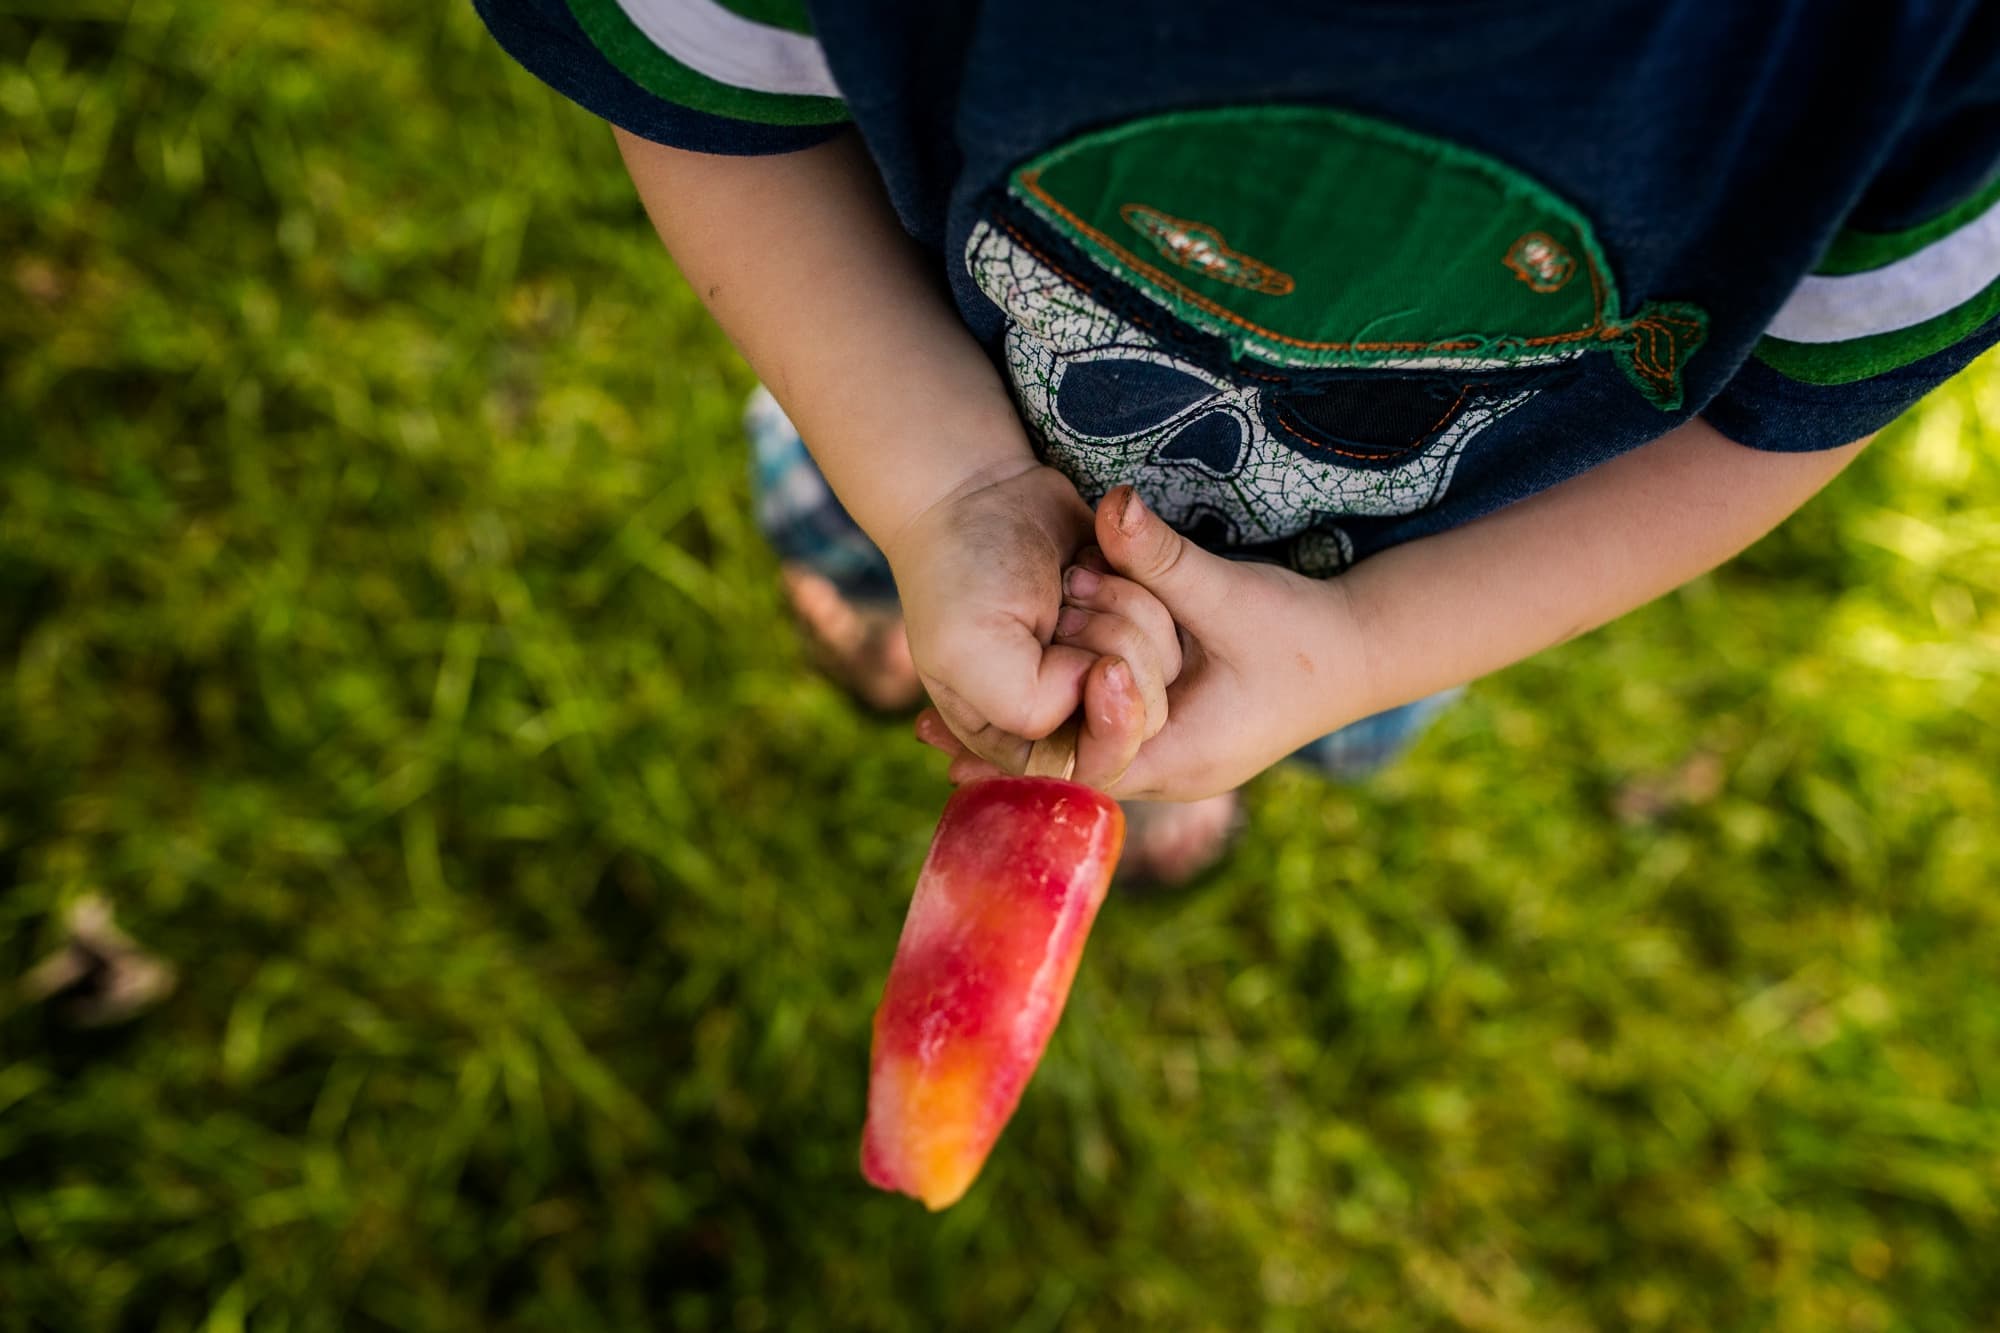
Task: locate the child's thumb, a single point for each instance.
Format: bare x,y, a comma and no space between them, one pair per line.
1140,545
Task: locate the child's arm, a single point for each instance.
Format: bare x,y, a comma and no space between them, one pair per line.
1276,660
802,262
1453,607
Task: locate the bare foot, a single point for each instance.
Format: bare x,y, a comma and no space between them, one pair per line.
1168,843
861,646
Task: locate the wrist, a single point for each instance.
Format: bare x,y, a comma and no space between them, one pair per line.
908,475
1354,686
1032,491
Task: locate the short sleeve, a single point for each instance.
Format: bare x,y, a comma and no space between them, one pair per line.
1908,291
742,77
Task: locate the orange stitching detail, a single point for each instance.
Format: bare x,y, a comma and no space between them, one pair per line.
1648,334
1053,266
1201,248
1088,289
1278,416
1541,261
1031,181
1329,448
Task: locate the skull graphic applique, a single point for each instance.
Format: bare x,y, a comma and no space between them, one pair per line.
1285,324
1231,459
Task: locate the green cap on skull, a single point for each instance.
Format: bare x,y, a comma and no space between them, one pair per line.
1310,237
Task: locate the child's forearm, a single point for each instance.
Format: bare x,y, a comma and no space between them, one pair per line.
800,259
1271,660
1447,609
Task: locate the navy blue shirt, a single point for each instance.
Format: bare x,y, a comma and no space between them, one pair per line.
1320,278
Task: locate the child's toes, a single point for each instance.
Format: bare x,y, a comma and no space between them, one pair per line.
826,615
888,677
861,646
1169,844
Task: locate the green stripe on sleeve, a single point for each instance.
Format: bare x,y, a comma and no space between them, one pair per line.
787,14
636,57
1859,251
1860,358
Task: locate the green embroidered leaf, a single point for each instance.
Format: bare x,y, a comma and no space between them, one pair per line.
1308,236
1652,349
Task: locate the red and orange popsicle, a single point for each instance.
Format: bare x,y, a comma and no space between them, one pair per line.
989,948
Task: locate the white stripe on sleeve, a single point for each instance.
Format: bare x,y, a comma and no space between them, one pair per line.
731,49
1942,276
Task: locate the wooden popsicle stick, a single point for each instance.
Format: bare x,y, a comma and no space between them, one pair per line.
1054,755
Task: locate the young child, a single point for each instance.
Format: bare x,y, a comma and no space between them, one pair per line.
1390,343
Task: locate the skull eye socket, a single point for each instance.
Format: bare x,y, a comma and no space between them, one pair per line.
1212,441
1364,422
1114,397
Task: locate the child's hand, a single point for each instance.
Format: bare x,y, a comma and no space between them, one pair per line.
980,575
1270,661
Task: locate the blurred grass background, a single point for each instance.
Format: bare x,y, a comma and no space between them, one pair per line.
385,638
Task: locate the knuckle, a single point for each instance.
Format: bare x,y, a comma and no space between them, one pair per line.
1118,635
1152,680
1116,593
1009,720
1163,635
1168,550
1015,719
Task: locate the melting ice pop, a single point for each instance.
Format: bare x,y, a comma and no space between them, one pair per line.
1003,906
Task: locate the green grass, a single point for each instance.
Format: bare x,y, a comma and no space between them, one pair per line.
385,636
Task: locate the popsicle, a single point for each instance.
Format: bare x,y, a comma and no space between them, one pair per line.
994,933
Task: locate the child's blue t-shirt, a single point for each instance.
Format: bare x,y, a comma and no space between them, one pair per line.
1319,278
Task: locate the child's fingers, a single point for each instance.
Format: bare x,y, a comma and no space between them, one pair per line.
1114,723
965,765
932,731
993,744
1113,636
1096,590
999,691
1139,545
1180,764
971,768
